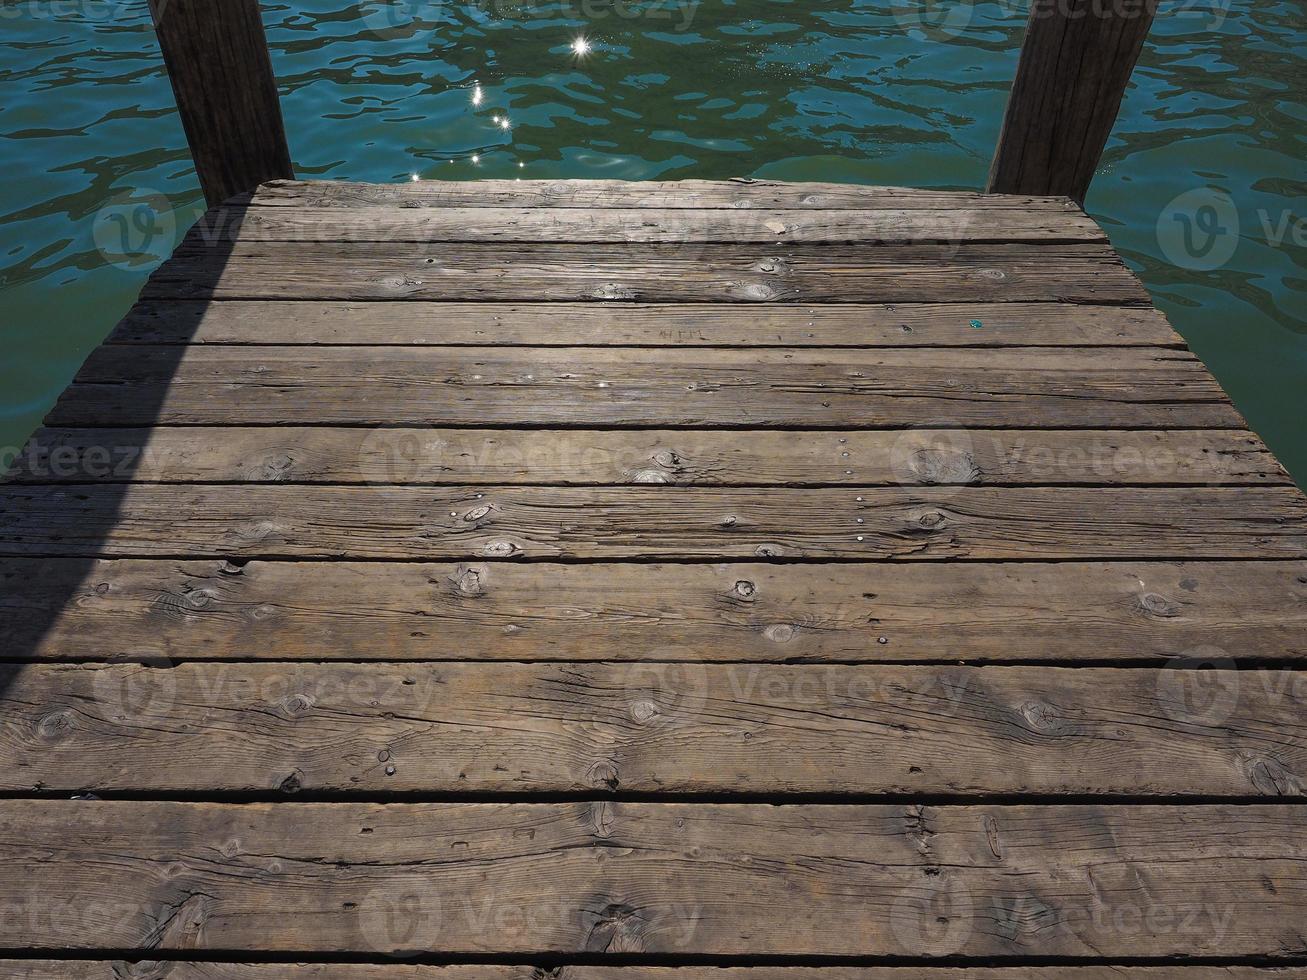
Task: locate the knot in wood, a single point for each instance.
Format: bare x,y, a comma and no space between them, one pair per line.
756,292
56,726
612,290
603,818
928,519
944,466
745,589
1158,605
499,549
469,582
199,598
296,705
651,476
1270,777
604,774
476,513
773,267
1041,718
644,711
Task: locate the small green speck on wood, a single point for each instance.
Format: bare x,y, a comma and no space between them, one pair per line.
976,324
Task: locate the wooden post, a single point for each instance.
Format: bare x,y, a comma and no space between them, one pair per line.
217,57
1074,67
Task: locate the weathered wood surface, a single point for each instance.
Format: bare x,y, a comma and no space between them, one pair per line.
214,385
686,879
60,609
660,194
791,529
193,970
221,74
1090,273
626,225
1075,64
979,523
652,727
272,322
705,457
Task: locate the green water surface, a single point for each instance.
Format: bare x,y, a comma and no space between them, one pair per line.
1203,187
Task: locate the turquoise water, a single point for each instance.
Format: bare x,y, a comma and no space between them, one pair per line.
1203,187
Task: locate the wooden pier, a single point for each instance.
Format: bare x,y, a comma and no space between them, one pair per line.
650,581
464,571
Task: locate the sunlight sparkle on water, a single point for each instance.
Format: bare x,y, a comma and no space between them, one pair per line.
581,47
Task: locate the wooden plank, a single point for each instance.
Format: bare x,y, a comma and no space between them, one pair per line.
1089,273
193,970
685,879
978,523
221,74
629,225
390,386
660,194
678,325
652,727
58,609
1075,65
993,457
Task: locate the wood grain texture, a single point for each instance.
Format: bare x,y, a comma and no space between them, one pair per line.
660,194
58,609
271,322
658,878
389,386
977,523
192,970
652,727
1089,273
628,225
221,74
1075,64
693,457
792,528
